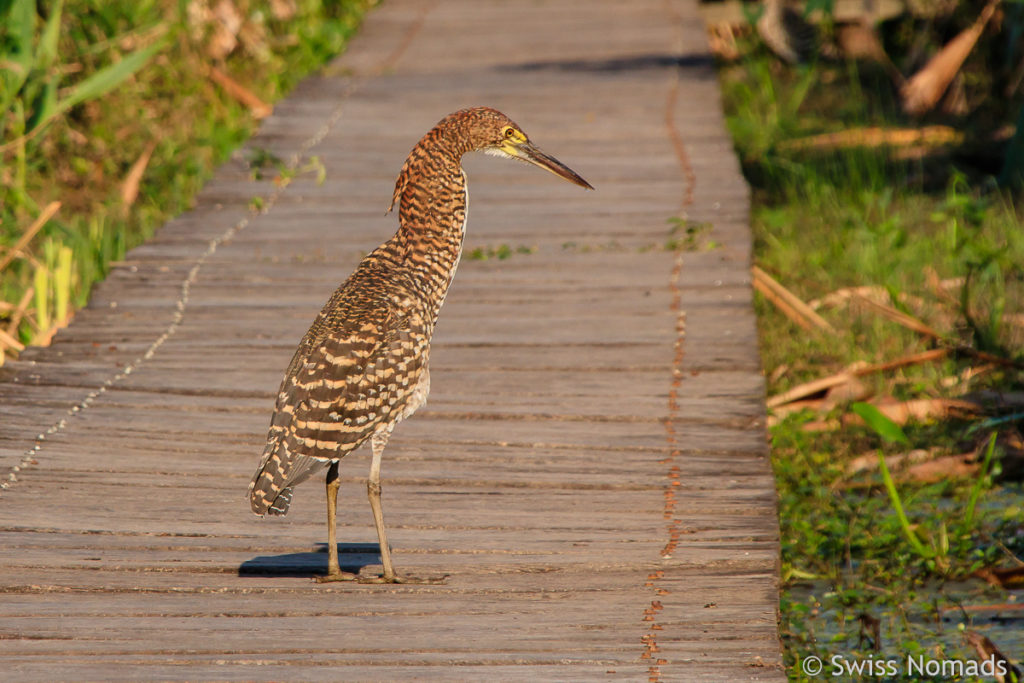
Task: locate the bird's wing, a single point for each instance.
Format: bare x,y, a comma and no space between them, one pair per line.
355,370
353,382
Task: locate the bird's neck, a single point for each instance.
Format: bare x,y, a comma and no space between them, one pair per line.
432,200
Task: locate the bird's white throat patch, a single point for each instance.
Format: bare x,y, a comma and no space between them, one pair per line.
498,152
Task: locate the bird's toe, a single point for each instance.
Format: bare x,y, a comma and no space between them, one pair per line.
410,580
337,576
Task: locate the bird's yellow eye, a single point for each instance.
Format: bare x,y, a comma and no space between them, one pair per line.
510,132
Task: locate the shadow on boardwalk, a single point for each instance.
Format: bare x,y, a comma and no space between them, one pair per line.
352,557
701,60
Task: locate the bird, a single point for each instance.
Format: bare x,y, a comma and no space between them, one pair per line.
363,366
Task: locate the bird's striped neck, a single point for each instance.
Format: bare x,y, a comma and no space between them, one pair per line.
432,198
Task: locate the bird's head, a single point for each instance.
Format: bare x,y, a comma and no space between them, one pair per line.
490,131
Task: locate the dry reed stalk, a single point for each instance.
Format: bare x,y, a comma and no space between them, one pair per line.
257,107
928,136
874,292
973,609
966,375
940,288
9,342
960,466
781,411
809,389
989,358
130,186
19,311
780,304
902,412
790,304
868,462
900,318
27,236
856,370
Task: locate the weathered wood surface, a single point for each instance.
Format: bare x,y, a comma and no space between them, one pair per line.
590,470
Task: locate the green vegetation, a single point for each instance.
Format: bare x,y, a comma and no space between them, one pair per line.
500,252
899,489
120,111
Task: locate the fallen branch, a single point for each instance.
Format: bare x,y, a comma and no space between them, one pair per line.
974,609
923,90
903,361
919,409
792,306
1003,578
1003,669
1003,400
782,411
809,389
877,137
989,358
37,224
960,466
855,370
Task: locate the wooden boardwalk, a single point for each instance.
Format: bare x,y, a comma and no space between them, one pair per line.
591,469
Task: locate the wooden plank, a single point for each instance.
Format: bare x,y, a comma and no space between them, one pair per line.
593,445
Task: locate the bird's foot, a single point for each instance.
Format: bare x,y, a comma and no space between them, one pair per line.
411,580
337,576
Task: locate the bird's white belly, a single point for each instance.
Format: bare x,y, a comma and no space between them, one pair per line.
419,395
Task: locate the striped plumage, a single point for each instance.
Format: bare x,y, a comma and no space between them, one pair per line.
363,365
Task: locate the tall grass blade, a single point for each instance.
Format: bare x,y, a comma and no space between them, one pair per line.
43,105
882,425
20,25
41,283
897,505
108,78
27,236
62,284
890,431
972,502
46,54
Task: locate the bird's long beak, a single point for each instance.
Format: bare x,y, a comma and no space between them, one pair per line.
527,152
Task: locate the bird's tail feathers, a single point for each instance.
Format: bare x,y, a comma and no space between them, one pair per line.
271,488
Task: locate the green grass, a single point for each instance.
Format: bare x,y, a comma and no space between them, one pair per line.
500,252
95,85
875,549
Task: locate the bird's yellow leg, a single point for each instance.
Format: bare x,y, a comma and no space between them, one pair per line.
373,490
334,572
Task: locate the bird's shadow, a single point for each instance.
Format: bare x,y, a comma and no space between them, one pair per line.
351,556
640,62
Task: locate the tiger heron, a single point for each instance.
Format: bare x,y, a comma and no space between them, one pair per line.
363,365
